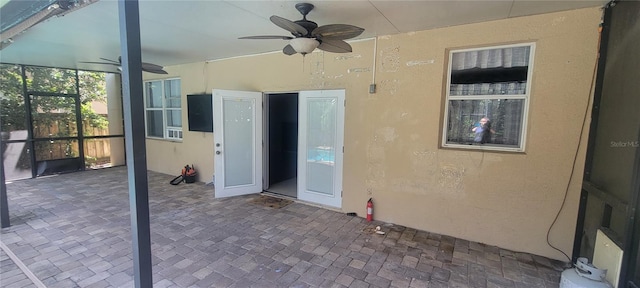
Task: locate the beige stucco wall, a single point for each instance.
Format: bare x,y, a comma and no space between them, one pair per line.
392,137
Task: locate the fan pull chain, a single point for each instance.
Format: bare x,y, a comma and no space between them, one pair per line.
303,62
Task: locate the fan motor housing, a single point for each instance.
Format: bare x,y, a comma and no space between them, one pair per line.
304,9
309,25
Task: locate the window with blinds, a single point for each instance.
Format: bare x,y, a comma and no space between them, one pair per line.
487,97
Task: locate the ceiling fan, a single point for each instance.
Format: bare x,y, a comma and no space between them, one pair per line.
147,67
307,36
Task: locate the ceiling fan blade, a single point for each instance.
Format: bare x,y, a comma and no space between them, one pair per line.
149,66
155,71
104,63
268,37
337,31
288,50
335,46
111,61
294,28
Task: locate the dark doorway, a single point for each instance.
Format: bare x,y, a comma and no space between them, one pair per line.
282,119
610,192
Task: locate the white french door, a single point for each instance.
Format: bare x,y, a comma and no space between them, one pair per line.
237,142
320,146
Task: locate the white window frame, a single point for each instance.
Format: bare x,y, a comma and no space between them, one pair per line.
168,132
525,97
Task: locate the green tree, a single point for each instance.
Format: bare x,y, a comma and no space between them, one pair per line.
92,89
52,116
50,80
11,100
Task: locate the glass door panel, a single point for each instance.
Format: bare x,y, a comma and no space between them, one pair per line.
321,138
238,135
321,130
238,142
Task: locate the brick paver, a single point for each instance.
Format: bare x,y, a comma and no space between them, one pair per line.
72,230
11,275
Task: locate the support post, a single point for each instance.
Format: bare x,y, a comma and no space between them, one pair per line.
4,201
136,153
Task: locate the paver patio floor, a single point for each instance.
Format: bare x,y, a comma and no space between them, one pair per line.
73,230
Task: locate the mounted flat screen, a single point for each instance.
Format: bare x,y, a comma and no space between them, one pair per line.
200,109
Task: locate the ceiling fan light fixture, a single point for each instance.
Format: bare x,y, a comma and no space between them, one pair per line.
304,45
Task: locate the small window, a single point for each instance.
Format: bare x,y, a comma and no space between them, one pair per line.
487,97
163,109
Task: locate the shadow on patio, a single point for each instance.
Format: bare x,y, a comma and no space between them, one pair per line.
72,230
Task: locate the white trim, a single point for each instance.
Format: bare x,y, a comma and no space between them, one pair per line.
163,98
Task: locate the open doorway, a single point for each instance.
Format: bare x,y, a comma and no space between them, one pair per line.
302,150
282,143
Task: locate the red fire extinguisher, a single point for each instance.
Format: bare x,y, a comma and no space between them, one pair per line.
370,210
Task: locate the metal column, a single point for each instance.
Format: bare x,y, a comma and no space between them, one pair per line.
4,202
136,153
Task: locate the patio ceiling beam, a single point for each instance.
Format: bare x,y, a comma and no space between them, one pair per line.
135,140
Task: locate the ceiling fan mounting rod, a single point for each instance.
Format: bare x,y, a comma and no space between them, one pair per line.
304,9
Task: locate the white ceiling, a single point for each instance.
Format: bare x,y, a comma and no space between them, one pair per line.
178,32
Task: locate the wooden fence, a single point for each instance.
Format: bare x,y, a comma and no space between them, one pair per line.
97,151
